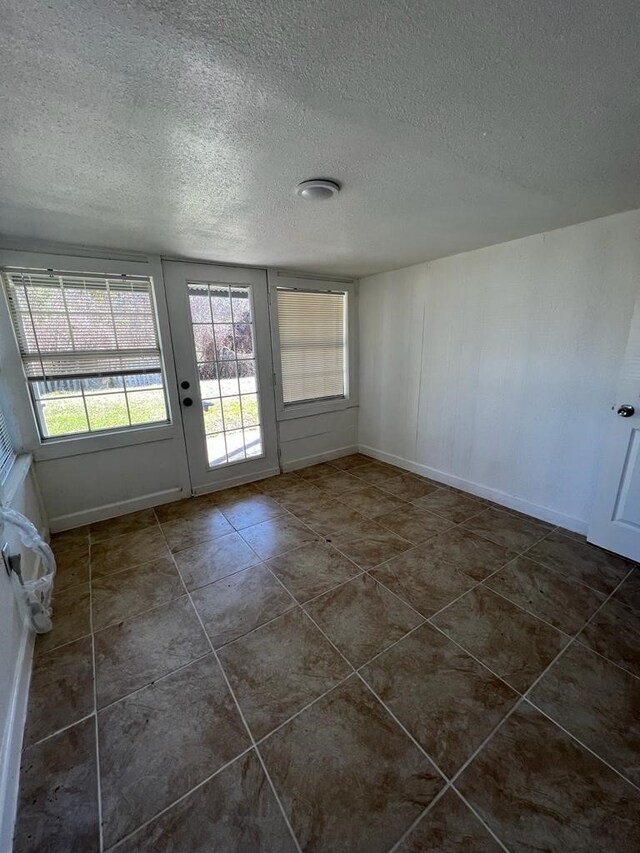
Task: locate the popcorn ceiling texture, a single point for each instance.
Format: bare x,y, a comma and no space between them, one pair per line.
183,127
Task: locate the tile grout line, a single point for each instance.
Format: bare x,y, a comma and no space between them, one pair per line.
154,681
546,714
523,697
164,810
260,758
407,733
95,708
448,780
59,731
583,645
244,722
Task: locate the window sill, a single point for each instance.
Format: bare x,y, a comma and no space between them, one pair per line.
319,407
17,475
78,445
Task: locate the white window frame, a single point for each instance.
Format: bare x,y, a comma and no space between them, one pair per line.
315,284
64,446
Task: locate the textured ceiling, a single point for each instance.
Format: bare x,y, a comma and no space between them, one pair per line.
183,127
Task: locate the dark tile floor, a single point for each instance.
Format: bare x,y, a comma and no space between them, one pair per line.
349,658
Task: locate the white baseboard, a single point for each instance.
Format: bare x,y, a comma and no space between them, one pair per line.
327,456
490,494
100,513
13,735
235,481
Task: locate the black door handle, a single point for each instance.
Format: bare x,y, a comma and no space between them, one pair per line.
187,401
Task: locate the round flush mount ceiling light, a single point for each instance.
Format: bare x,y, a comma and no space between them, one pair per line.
317,189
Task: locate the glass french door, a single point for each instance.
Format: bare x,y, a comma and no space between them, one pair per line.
219,321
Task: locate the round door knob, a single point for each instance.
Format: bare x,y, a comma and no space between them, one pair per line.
184,384
626,411
187,401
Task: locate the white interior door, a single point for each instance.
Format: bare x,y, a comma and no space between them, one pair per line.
615,524
219,319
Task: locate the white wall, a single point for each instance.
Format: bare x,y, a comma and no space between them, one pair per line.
317,438
16,648
495,369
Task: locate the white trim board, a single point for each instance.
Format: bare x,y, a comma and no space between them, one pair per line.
327,456
495,495
14,733
100,513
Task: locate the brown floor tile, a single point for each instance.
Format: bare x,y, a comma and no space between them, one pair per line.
138,650
505,528
211,561
130,523
128,550
349,463
424,581
72,566
159,743
368,780
447,700
279,668
597,702
326,515
474,556
368,544
58,802
71,618
312,569
131,591
371,501
615,633
362,618
629,592
407,487
539,790
413,524
512,643
237,604
548,594
61,691
185,508
598,569
314,472
449,504
277,483
450,827
376,473
202,526
277,535
337,483
244,512
236,810
78,537
233,494
287,489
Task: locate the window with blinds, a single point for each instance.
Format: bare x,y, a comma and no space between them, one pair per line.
7,450
90,350
313,344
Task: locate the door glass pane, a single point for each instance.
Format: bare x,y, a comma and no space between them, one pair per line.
224,338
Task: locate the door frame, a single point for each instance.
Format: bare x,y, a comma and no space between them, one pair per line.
621,456
204,479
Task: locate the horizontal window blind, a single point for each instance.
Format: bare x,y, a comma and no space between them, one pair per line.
90,350
312,330
7,451
73,327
